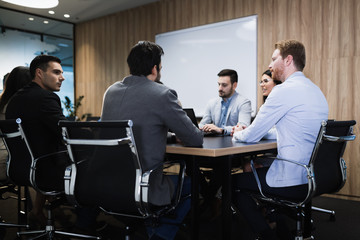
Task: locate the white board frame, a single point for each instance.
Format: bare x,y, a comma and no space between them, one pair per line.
194,56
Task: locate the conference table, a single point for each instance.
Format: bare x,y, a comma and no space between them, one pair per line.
218,149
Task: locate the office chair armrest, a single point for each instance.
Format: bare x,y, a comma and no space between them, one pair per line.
181,177
58,159
309,175
339,139
69,183
145,184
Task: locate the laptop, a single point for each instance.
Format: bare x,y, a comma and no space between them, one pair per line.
191,114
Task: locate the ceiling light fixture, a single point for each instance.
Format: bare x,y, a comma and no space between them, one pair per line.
51,12
34,3
66,15
46,22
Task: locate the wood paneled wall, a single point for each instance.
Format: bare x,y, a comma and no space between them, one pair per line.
329,29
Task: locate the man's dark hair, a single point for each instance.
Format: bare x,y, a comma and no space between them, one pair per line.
231,73
143,57
41,62
294,48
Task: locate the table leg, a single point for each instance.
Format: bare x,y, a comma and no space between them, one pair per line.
195,198
226,198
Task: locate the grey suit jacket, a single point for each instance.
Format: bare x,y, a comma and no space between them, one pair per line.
154,109
239,112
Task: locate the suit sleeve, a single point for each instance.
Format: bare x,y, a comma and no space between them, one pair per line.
244,116
52,113
269,114
206,119
180,123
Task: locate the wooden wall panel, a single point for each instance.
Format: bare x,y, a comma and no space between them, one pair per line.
329,30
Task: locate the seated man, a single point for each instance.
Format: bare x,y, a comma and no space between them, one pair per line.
229,109
154,109
40,110
221,115
39,107
296,107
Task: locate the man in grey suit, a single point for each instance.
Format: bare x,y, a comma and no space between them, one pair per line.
229,109
154,109
221,115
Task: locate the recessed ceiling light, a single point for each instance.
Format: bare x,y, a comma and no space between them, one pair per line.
67,15
46,22
31,19
63,45
51,12
34,3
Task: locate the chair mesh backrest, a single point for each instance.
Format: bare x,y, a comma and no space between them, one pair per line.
107,176
19,156
327,161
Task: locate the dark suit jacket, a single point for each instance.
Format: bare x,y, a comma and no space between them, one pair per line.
40,111
154,109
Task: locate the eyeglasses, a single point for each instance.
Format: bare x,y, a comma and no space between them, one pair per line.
266,80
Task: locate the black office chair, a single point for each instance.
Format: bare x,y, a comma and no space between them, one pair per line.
14,187
41,173
113,178
9,190
326,172
92,118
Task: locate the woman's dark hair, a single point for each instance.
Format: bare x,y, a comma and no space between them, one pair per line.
143,57
17,79
277,82
268,72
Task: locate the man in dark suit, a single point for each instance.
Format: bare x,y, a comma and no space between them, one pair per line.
40,110
39,107
154,109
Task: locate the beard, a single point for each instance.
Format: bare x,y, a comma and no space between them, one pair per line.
223,94
277,74
157,79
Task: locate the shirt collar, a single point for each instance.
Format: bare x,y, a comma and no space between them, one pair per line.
228,100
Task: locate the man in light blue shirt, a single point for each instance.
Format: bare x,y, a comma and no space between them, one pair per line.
296,107
223,113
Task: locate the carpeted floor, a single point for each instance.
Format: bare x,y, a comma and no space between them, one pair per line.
346,226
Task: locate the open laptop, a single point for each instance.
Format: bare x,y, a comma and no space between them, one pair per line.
191,114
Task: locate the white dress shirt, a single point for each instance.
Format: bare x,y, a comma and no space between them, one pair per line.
296,107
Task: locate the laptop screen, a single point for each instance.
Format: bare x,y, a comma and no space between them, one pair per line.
191,114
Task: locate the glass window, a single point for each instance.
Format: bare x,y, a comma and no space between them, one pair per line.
21,41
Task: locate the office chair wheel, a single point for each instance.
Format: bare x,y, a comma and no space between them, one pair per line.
309,238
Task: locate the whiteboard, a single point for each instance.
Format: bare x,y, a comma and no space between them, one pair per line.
194,56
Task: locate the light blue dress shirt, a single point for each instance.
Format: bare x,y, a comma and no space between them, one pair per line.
224,109
296,107
239,111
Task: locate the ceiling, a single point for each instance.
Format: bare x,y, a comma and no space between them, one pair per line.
58,30
58,25
82,10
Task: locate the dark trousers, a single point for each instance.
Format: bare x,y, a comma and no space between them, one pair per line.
245,183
